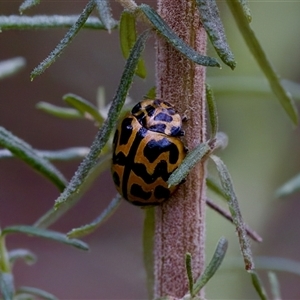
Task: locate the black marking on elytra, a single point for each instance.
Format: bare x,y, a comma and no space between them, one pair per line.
163,117
176,131
150,109
116,179
161,170
161,192
137,191
171,111
129,159
158,128
136,108
157,102
119,159
141,117
126,131
154,148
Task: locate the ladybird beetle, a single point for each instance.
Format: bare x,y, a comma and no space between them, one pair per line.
146,150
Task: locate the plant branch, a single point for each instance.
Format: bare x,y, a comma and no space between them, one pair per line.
180,222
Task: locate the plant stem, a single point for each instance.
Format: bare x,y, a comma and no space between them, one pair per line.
180,222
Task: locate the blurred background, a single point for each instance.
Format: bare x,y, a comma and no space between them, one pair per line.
263,153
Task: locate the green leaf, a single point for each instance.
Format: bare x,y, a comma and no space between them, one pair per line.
104,133
104,11
128,37
25,152
192,158
27,4
275,286
258,285
89,228
211,21
55,155
212,111
11,66
213,265
148,248
290,187
58,111
162,27
65,41
23,254
278,264
246,10
151,94
35,292
83,106
233,205
189,272
259,54
46,22
7,285
48,234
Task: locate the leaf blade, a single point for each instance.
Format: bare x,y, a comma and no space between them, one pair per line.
259,54
44,233
83,106
212,23
58,111
26,153
213,265
161,26
128,38
46,63
233,205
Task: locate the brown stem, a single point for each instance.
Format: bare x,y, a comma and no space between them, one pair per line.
180,222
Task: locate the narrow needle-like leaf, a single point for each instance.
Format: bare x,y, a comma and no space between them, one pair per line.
27,4
227,185
11,66
213,265
46,22
275,287
83,106
58,111
189,272
290,187
128,35
104,11
89,228
246,10
7,285
258,285
188,163
211,21
25,152
65,41
57,155
24,254
162,27
44,233
104,132
255,47
41,294
212,110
